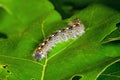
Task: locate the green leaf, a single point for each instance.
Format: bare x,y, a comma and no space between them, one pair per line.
114,36
89,56
111,73
20,33
26,11
86,57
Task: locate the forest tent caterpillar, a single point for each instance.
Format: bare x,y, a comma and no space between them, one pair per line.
75,28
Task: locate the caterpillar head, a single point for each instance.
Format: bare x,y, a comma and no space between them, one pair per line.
38,55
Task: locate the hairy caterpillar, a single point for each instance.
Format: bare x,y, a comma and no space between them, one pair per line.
75,28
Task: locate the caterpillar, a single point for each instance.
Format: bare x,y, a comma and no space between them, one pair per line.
74,29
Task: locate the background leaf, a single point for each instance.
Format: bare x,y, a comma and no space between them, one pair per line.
111,73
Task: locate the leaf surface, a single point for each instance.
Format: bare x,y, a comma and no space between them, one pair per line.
84,56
